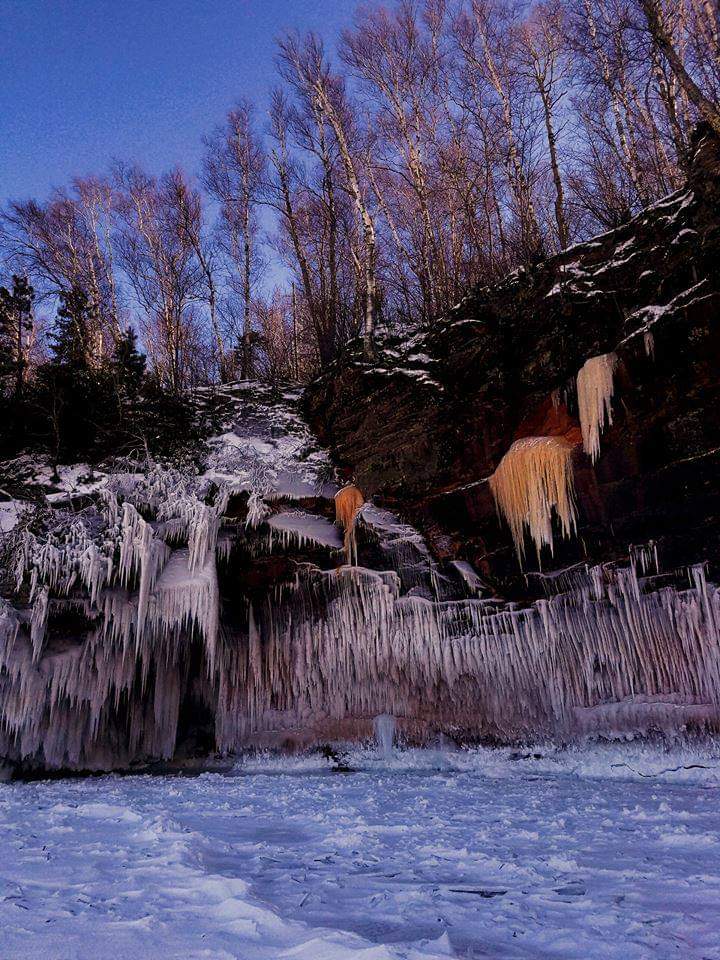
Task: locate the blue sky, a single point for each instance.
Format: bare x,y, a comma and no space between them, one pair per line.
86,81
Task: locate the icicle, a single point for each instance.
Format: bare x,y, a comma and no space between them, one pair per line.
38,621
348,503
326,652
140,554
645,557
533,479
184,599
257,511
595,390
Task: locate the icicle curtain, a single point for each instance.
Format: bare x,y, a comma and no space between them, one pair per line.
532,480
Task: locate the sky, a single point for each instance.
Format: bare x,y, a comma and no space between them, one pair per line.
83,82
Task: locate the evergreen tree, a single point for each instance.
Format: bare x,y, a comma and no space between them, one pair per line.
74,397
15,324
128,364
70,341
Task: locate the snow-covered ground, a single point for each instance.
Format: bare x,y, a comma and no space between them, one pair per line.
607,852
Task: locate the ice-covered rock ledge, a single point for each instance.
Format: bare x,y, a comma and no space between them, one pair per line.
182,613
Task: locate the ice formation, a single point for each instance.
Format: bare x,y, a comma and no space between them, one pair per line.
335,648
296,528
257,511
122,621
135,592
348,504
384,730
532,480
595,386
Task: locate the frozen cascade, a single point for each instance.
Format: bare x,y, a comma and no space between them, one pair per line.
595,388
611,650
337,647
111,692
532,481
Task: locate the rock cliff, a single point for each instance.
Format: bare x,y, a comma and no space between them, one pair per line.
424,427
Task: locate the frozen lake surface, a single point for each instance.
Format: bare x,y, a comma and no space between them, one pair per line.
603,852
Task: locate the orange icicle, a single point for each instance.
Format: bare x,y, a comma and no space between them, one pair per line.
348,503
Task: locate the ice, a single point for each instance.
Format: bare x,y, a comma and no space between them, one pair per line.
257,511
118,626
10,513
384,727
565,854
298,528
266,447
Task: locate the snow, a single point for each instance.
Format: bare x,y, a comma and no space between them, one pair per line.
76,480
266,447
10,513
605,852
298,528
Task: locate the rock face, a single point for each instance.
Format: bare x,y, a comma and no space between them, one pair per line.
424,428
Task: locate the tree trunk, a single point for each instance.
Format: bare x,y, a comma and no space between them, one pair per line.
365,217
247,332
708,110
560,219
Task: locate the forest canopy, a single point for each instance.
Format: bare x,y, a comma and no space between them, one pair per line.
439,145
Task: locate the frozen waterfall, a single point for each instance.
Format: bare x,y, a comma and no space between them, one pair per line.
225,595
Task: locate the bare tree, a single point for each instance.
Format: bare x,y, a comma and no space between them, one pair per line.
65,244
327,89
541,53
160,263
190,223
481,33
234,174
661,36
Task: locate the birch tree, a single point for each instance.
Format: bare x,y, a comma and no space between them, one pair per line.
234,172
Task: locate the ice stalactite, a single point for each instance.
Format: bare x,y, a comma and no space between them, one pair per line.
135,580
533,480
66,556
9,624
298,529
197,522
115,629
337,649
141,556
348,504
645,557
595,387
38,621
257,511
186,599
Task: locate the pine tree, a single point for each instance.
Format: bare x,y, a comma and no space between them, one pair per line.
16,323
73,396
70,341
128,364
